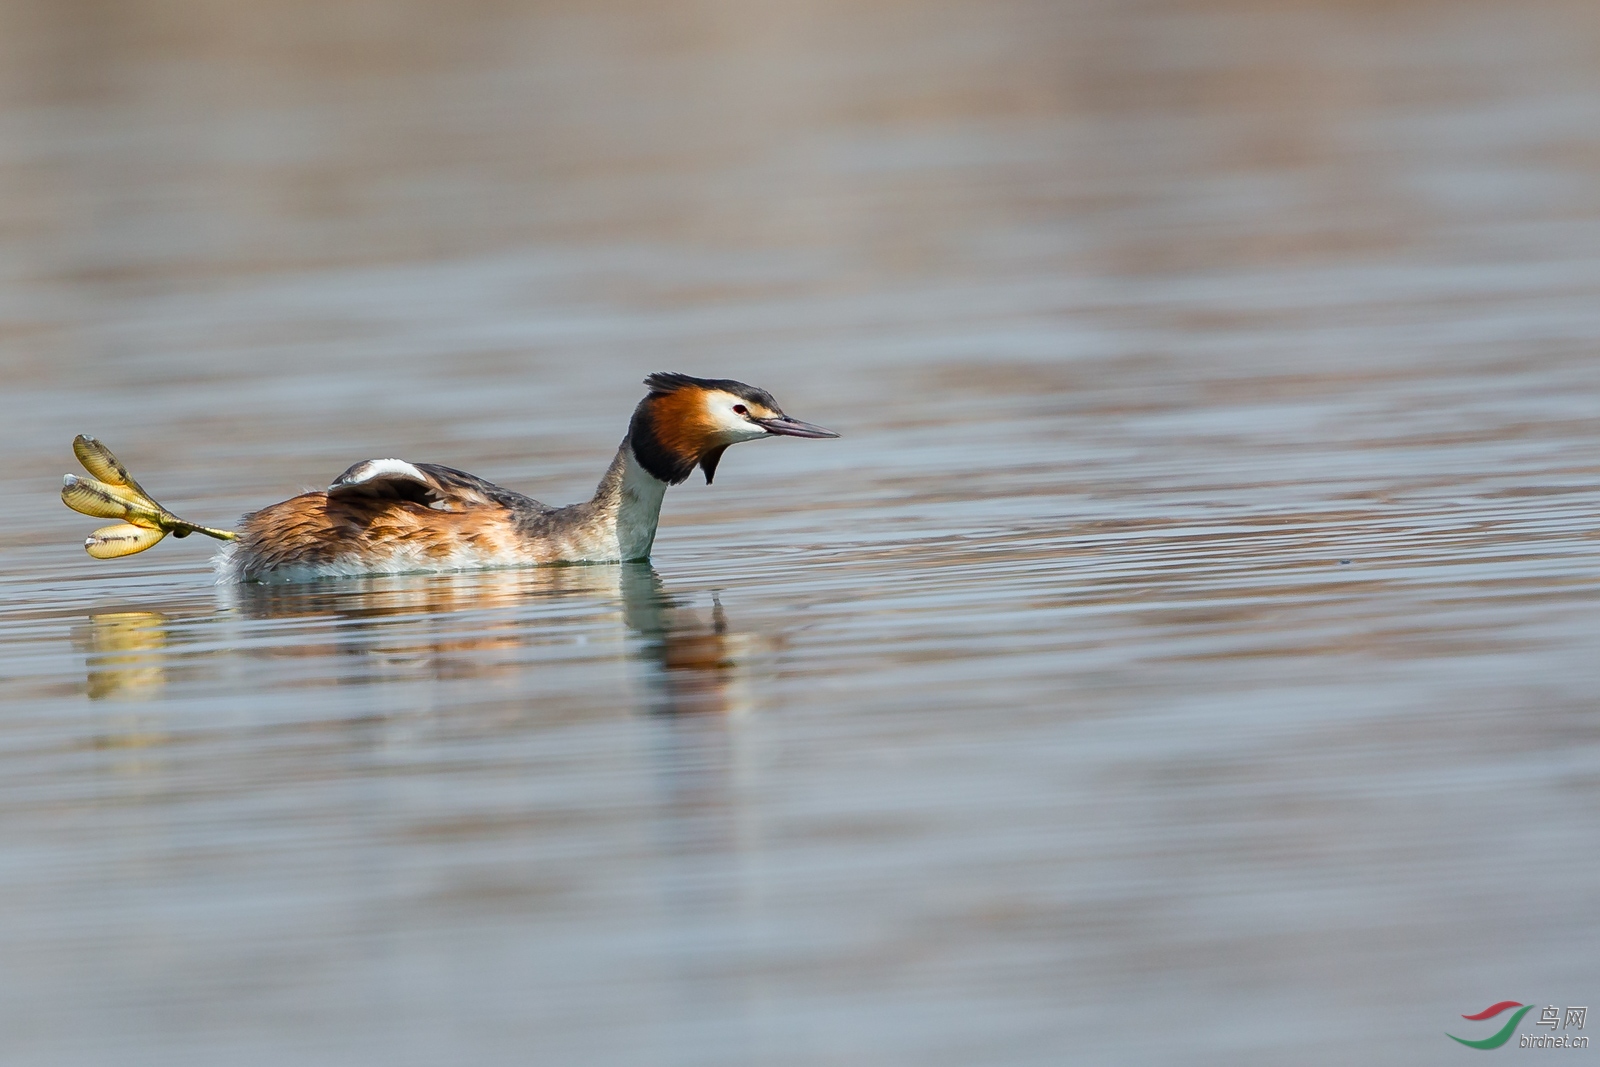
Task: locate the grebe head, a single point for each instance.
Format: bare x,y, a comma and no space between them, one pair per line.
686,422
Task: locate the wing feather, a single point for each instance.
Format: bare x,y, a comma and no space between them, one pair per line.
436,486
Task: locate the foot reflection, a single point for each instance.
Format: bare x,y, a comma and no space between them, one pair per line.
124,653
686,659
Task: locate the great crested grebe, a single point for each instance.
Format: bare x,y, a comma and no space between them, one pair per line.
387,516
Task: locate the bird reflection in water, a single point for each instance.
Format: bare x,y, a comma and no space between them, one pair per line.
687,660
696,665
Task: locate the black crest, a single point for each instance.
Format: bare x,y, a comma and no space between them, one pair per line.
666,383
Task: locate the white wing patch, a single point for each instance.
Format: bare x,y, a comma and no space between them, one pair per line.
380,469
390,479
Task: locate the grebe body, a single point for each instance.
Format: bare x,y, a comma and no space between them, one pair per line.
389,516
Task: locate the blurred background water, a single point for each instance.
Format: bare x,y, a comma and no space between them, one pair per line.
1188,653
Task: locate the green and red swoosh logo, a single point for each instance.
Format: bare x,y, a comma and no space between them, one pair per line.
1505,1031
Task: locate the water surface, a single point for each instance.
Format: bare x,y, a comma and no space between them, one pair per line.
1188,653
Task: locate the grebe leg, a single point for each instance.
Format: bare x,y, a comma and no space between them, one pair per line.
113,494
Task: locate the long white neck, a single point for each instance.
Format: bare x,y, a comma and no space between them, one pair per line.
629,501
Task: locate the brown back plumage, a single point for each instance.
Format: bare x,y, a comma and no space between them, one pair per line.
321,529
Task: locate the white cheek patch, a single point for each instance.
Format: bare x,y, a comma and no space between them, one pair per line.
730,425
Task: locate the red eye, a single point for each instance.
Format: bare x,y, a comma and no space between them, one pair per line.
740,409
